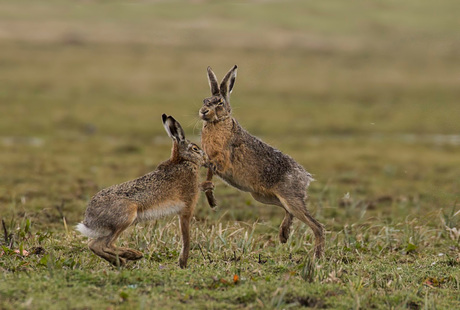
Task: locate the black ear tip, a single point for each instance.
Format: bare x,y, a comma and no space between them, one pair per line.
164,117
235,67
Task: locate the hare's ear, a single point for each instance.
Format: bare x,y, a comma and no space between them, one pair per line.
226,86
212,79
173,128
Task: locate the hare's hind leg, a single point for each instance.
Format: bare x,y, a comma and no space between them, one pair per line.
285,227
296,207
105,246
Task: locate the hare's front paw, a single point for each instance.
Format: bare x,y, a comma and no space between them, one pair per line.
216,167
212,166
207,185
211,199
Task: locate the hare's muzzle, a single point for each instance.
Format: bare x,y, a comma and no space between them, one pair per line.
203,112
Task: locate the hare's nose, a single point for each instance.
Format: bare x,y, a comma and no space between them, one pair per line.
204,111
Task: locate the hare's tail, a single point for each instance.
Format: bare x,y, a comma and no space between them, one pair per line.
91,233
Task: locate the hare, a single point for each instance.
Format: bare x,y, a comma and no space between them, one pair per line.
251,165
171,188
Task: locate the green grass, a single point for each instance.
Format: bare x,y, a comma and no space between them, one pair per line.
368,265
363,94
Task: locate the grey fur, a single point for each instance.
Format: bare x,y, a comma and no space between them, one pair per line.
251,165
171,188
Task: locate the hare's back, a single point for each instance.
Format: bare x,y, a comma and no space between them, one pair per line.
135,190
260,161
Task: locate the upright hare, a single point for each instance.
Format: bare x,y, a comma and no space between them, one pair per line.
251,165
171,188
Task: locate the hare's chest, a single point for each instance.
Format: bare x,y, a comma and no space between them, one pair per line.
214,143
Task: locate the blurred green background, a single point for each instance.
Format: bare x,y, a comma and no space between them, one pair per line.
364,94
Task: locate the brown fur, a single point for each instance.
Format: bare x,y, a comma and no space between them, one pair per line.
171,188
251,165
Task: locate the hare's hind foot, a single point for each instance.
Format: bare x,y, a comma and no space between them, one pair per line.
320,243
129,254
319,251
285,228
114,255
99,248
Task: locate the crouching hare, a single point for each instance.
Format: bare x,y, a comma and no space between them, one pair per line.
171,188
251,165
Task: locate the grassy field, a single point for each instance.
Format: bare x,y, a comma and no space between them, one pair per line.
365,95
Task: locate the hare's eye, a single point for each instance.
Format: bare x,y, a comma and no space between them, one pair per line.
195,148
220,103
